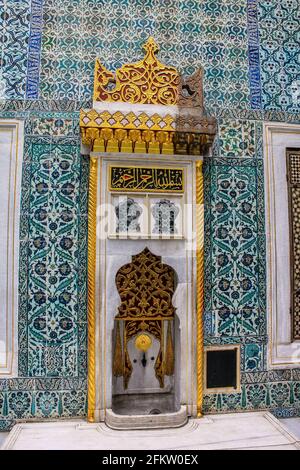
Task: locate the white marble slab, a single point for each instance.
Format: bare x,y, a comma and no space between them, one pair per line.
257,430
293,425
111,255
11,145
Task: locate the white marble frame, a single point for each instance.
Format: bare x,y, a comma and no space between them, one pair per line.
147,218
11,144
112,254
283,352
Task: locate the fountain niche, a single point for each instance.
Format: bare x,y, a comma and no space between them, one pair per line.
146,339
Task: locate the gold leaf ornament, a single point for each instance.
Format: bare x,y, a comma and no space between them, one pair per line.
143,342
147,81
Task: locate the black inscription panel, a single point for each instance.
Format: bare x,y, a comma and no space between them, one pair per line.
146,179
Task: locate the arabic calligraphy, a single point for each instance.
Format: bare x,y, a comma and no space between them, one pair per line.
146,179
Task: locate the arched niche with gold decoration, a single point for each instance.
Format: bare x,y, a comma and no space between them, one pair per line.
145,334
146,136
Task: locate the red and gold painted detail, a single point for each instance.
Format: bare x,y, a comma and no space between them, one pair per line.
152,142
147,81
146,287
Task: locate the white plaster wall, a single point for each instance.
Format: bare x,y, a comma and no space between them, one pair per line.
11,145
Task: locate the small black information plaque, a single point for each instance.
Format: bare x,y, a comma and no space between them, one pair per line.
221,368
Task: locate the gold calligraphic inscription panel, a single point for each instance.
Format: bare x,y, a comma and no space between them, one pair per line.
147,81
145,179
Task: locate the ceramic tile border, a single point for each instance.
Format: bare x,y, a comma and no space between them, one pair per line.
34,50
261,338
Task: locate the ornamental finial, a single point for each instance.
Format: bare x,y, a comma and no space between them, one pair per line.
150,47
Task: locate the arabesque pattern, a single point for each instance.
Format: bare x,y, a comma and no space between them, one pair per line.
279,52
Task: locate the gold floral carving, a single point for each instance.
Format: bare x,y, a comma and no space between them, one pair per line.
146,287
200,283
147,81
138,131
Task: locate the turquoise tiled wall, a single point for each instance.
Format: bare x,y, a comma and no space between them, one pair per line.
248,50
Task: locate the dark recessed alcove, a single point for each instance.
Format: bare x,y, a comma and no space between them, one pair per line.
221,368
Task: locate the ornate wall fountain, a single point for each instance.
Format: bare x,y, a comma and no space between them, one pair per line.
146,136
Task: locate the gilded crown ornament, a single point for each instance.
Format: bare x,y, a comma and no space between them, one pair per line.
123,121
147,81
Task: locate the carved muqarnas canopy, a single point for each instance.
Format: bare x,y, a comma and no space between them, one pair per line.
146,287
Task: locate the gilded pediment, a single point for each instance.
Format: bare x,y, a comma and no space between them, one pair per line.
147,81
